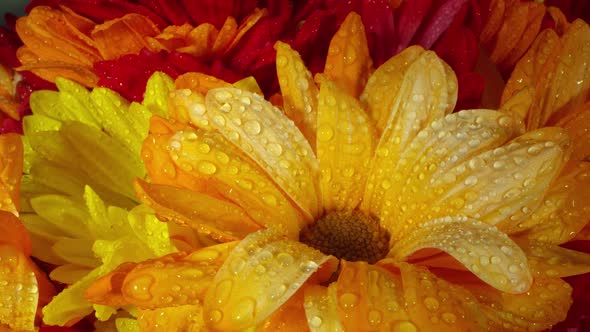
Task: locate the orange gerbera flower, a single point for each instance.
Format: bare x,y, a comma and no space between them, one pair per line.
371,167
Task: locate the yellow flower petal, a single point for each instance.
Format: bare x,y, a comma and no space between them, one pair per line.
549,260
369,297
265,134
188,318
415,184
436,305
344,147
298,89
427,93
11,168
565,209
384,84
545,304
248,84
485,251
219,219
157,89
19,291
321,309
259,275
348,62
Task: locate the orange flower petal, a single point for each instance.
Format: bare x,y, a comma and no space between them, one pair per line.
244,27
321,309
345,145
188,317
565,209
427,93
535,14
577,124
271,139
384,84
299,91
510,33
199,82
14,232
106,290
369,297
348,62
494,22
226,36
436,305
125,35
259,275
484,250
542,306
19,291
551,261
218,219
201,39
290,317
11,168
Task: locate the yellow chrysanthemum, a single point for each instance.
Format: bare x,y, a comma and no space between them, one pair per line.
370,167
82,154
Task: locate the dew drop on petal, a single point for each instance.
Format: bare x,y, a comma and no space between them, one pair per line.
348,300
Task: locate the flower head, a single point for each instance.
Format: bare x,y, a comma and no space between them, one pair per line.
355,156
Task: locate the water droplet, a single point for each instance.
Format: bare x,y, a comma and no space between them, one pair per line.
222,157
223,291
285,259
215,316
348,300
315,321
269,199
236,265
139,287
207,167
244,311
260,269
204,148
325,133
471,180
431,303
275,148
495,260
404,326
169,169
449,317
308,266
219,120
252,127
375,317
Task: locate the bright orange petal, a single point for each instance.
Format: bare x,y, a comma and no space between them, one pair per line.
348,62
494,22
201,40
188,317
125,35
259,275
577,124
299,91
369,297
225,37
535,14
11,168
345,145
551,261
14,233
290,317
321,309
244,27
19,291
271,139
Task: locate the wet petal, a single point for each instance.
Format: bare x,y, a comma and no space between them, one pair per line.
485,251
348,62
384,84
123,35
299,91
14,233
551,261
437,149
344,147
218,219
260,274
11,168
577,124
436,305
19,291
187,317
321,309
290,317
262,132
210,158
542,306
427,93
369,297
565,209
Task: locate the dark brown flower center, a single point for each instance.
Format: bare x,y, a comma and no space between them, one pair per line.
349,235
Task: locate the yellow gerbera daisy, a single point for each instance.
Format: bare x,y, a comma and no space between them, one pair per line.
372,168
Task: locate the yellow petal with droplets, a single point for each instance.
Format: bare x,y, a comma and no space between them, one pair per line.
259,275
188,107
267,136
577,124
485,251
518,104
210,216
188,318
565,209
427,93
290,317
19,291
369,297
298,89
384,84
228,172
321,309
545,304
505,184
345,143
434,304
348,62
157,89
441,146
551,261
176,279
11,168
248,84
